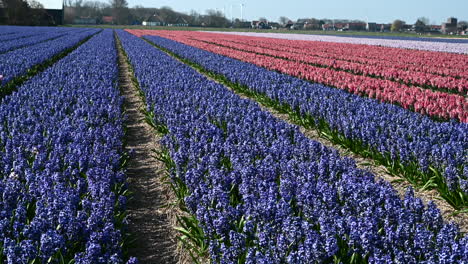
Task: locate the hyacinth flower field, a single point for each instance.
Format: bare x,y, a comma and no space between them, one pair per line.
266,148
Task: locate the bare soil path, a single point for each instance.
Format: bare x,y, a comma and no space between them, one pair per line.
151,222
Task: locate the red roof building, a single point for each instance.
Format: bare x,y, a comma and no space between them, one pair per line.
107,19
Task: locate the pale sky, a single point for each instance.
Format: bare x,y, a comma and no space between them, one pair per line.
372,10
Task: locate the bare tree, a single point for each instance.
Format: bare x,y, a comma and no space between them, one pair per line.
215,18
283,20
421,25
194,18
35,4
463,25
16,11
168,15
120,11
424,20
26,12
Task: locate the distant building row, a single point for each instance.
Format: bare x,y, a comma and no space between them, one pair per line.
153,20
450,27
156,20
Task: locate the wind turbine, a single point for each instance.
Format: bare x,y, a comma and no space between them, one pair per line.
232,15
242,11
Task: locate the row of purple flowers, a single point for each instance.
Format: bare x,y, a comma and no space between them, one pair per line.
17,62
406,139
62,183
264,193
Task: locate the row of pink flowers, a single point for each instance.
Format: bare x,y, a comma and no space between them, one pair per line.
454,49
444,64
383,70
432,103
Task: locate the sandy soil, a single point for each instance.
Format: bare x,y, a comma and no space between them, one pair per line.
151,221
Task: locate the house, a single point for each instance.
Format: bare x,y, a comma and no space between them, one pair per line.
179,22
289,24
260,24
384,27
312,25
242,24
371,26
407,27
305,23
153,20
328,27
420,27
55,15
356,26
341,26
297,25
107,19
434,29
335,26
274,25
85,21
254,23
450,26
344,26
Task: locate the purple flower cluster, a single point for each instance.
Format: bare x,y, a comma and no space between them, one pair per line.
16,32
405,136
7,45
18,62
61,179
264,193
458,47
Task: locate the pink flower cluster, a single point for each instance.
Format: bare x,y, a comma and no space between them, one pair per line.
368,67
440,63
424,101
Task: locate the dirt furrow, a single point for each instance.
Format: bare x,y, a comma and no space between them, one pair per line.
150,220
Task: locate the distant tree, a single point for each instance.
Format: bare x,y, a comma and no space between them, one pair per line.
262,19
397,25
35,4
424,20
168,15
120,11
420,26
214,18
140,13
37,15
463,25
239,24
17,12
194,18
22,12
283,20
